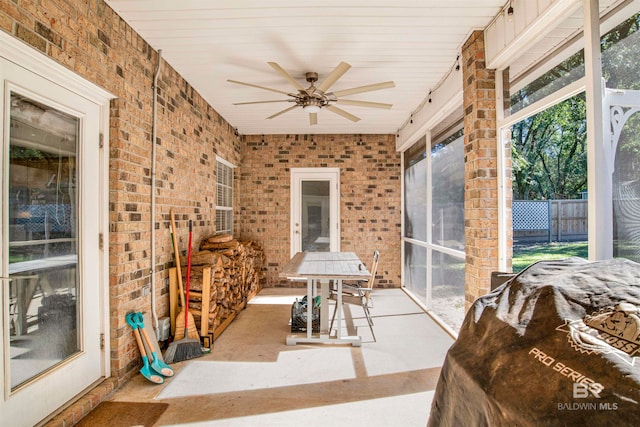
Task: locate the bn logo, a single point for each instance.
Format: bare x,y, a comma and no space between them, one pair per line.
582,391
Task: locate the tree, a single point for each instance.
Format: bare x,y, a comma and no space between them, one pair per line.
549,152
549,149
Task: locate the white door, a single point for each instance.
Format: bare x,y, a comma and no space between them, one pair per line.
50,222
315,210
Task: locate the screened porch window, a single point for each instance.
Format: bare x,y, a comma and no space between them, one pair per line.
433,239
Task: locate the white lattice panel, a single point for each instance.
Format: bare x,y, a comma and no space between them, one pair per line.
530,215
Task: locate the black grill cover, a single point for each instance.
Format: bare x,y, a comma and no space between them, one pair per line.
559,344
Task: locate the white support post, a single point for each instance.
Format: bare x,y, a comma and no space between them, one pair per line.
600,219
429,219
502,136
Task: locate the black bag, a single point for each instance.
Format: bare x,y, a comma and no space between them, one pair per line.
299,316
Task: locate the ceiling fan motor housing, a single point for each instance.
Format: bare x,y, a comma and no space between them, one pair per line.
312,96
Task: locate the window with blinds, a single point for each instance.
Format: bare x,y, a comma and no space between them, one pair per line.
224,197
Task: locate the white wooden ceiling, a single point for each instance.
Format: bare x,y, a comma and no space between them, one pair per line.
412,42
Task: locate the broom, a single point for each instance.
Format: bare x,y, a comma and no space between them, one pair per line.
184,311
186,348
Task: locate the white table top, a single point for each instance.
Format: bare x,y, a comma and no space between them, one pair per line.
43,264
325,265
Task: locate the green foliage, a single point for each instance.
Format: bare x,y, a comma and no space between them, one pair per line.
549,148
17,152
620,55
568,71
549,152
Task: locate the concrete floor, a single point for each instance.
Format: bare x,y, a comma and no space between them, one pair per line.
251,378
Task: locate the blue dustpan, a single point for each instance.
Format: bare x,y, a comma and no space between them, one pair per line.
156,364
145,370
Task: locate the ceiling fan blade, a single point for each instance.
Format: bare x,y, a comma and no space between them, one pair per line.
364,103
342,113
263,102
286,75
313,119
367,88
282,112
259,87
333,76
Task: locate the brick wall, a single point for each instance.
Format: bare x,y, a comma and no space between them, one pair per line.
190,134
93,41
370,198
481,182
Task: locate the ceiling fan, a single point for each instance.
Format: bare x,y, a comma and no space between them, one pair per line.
314,98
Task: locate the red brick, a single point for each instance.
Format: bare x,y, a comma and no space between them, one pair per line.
481,209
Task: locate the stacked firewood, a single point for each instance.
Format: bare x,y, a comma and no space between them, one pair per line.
236,276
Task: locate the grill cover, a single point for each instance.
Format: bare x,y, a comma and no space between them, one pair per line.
558,344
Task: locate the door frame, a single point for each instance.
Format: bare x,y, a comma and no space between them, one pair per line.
314,174
26,57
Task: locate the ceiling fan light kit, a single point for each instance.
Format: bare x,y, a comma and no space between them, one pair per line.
313,99
311,108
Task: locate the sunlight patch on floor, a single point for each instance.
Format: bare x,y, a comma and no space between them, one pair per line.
291,368
275,296
374,412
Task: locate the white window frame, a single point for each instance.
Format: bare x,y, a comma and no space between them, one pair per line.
428,242
600,221
225,209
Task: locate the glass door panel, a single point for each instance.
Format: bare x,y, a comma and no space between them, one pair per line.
42,216
315,211
52,267
315,216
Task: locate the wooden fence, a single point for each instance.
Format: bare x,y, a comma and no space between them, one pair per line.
549,220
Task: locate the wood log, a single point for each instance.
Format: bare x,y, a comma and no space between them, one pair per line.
205,257
219,238
232,244
235,272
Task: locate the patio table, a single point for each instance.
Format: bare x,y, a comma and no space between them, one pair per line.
27,275
322,267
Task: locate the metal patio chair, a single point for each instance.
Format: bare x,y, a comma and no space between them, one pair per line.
358,293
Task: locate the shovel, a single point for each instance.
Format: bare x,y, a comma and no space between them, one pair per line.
145,370
156,364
